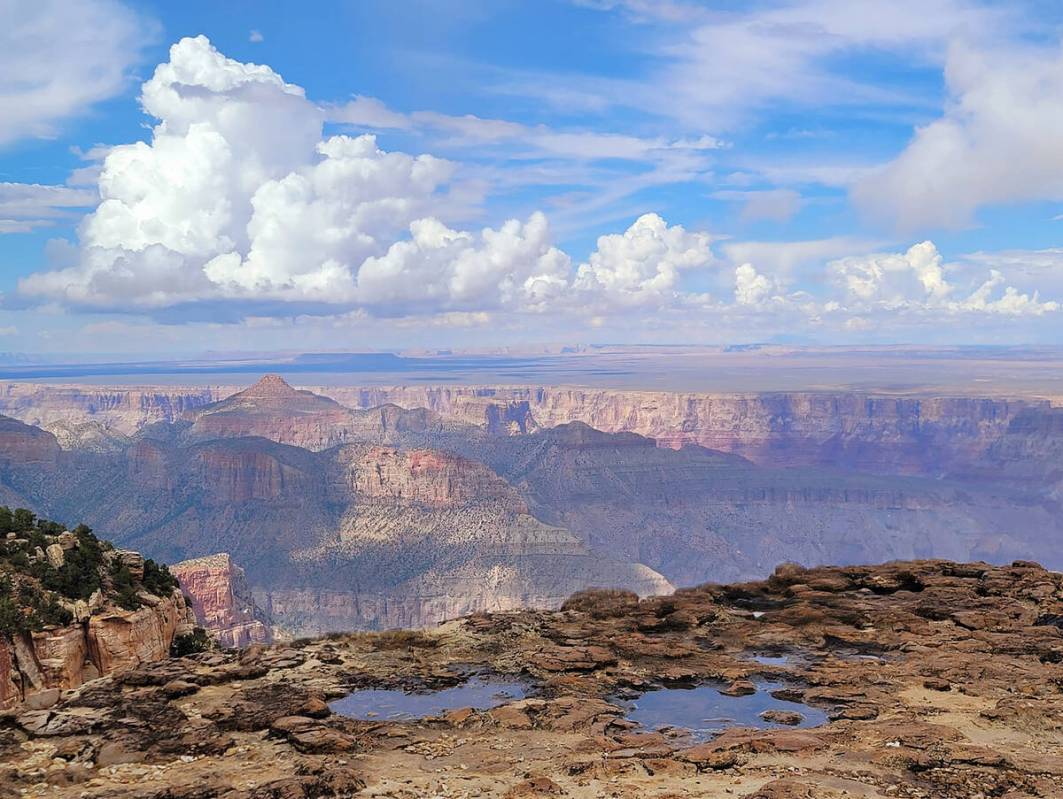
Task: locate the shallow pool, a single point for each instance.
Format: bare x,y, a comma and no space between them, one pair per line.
705,712
481,692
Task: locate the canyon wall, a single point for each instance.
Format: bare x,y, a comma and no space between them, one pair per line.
898,435
540,581
862,431
222,601
35,667
123,409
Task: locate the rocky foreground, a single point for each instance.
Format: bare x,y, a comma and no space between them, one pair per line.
940,679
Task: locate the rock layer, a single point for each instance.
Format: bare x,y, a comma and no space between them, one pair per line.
222,601
34,667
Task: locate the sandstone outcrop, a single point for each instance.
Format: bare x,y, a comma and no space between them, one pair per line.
54,634
110,641
222,601
857,643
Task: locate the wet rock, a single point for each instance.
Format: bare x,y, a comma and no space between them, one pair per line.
789,717
739,688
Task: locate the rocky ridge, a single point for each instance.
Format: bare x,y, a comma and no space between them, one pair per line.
73,608
940,680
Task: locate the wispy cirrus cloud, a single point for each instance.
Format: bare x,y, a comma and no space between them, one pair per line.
60,57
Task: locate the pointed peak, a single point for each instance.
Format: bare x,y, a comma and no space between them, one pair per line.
273,380
272,394
270,386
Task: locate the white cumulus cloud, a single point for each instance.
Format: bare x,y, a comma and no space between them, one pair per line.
513,267
239,207
237,195
643,265
918,280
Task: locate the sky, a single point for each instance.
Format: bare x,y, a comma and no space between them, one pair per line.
430,174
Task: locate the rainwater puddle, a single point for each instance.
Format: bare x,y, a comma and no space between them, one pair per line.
705,712
480,692
774,660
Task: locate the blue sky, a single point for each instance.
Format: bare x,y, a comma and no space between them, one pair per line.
563,171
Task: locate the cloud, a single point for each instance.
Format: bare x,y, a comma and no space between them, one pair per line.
894,278
916,280
712,68
255,37
537,140
785,258
513,267
642,266
238,209
752,288
26,206
996,143
237,195
60,57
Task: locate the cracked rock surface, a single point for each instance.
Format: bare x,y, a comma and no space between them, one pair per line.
940,680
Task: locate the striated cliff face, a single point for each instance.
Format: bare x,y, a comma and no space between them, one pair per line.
425,477
119,410
35,667
898,435
222,601
498,496
21,443
846,429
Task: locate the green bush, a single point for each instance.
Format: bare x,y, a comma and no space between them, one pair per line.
125,588
28,609
191,643
157,578
33,591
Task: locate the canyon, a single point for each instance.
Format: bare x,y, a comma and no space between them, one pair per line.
931,435
386,507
